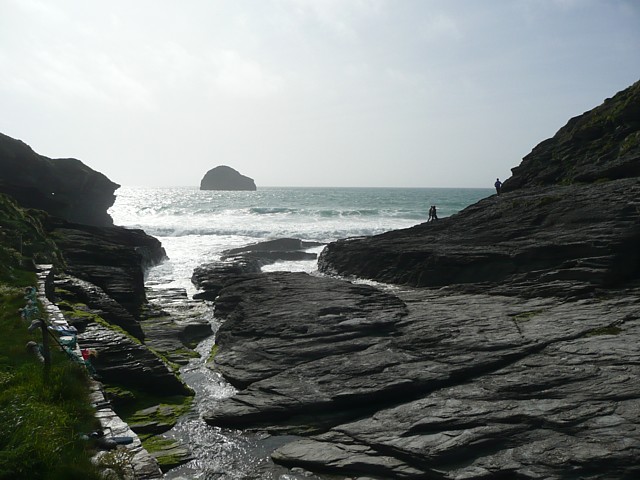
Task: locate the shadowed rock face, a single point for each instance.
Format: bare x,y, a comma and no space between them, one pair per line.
226,178
567,223
601,144
63,187
113,258
516,358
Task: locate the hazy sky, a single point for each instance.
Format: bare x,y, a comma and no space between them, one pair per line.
402,93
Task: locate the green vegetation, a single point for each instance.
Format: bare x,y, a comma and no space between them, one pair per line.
149,416
143,408
22,241
41,420
168,452
608,330
213,353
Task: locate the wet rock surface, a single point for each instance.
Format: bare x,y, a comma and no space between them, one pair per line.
272,251
406,384
173,324
565,241
235,262
112,258
123,361
507,349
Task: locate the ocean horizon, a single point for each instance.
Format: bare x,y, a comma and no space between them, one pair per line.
195,226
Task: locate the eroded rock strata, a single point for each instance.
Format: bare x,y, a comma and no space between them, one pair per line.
567,223
98,284
507,348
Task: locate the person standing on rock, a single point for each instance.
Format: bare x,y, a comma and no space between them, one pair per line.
432,214
498,186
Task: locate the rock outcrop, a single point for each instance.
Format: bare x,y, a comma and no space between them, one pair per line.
272,251
421,383
226,178
506,349
211,277
567,223
113,258
63,187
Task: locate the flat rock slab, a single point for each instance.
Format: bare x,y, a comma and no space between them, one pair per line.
428,383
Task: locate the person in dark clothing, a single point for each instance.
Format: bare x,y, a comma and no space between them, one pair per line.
432,214
498,186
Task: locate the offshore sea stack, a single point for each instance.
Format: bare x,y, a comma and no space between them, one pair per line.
506,348
226,178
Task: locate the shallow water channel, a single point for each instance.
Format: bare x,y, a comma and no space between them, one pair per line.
218,453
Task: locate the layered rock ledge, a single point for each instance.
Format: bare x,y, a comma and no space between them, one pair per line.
422,384
506,349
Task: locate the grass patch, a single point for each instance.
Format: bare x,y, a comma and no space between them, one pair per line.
40,421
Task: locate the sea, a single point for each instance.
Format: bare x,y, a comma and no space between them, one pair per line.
195,227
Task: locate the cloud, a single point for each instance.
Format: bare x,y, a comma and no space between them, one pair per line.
441,26
337,15
244,77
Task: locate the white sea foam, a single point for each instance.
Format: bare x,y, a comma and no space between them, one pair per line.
196,226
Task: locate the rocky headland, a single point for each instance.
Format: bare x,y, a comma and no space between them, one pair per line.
55,212
63,187
223,177
500,343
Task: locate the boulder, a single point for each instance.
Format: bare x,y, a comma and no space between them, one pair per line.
63,187
226,178
211,277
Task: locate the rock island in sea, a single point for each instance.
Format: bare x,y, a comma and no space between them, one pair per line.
502,343
226,178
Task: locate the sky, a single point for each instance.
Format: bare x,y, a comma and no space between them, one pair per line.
345,93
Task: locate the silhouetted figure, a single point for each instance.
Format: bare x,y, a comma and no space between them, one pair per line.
432,214
498,186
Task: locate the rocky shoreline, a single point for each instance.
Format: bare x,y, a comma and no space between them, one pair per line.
423,383
501,342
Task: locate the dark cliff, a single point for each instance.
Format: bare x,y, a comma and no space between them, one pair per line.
226,178
63,187
599,145
567,223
